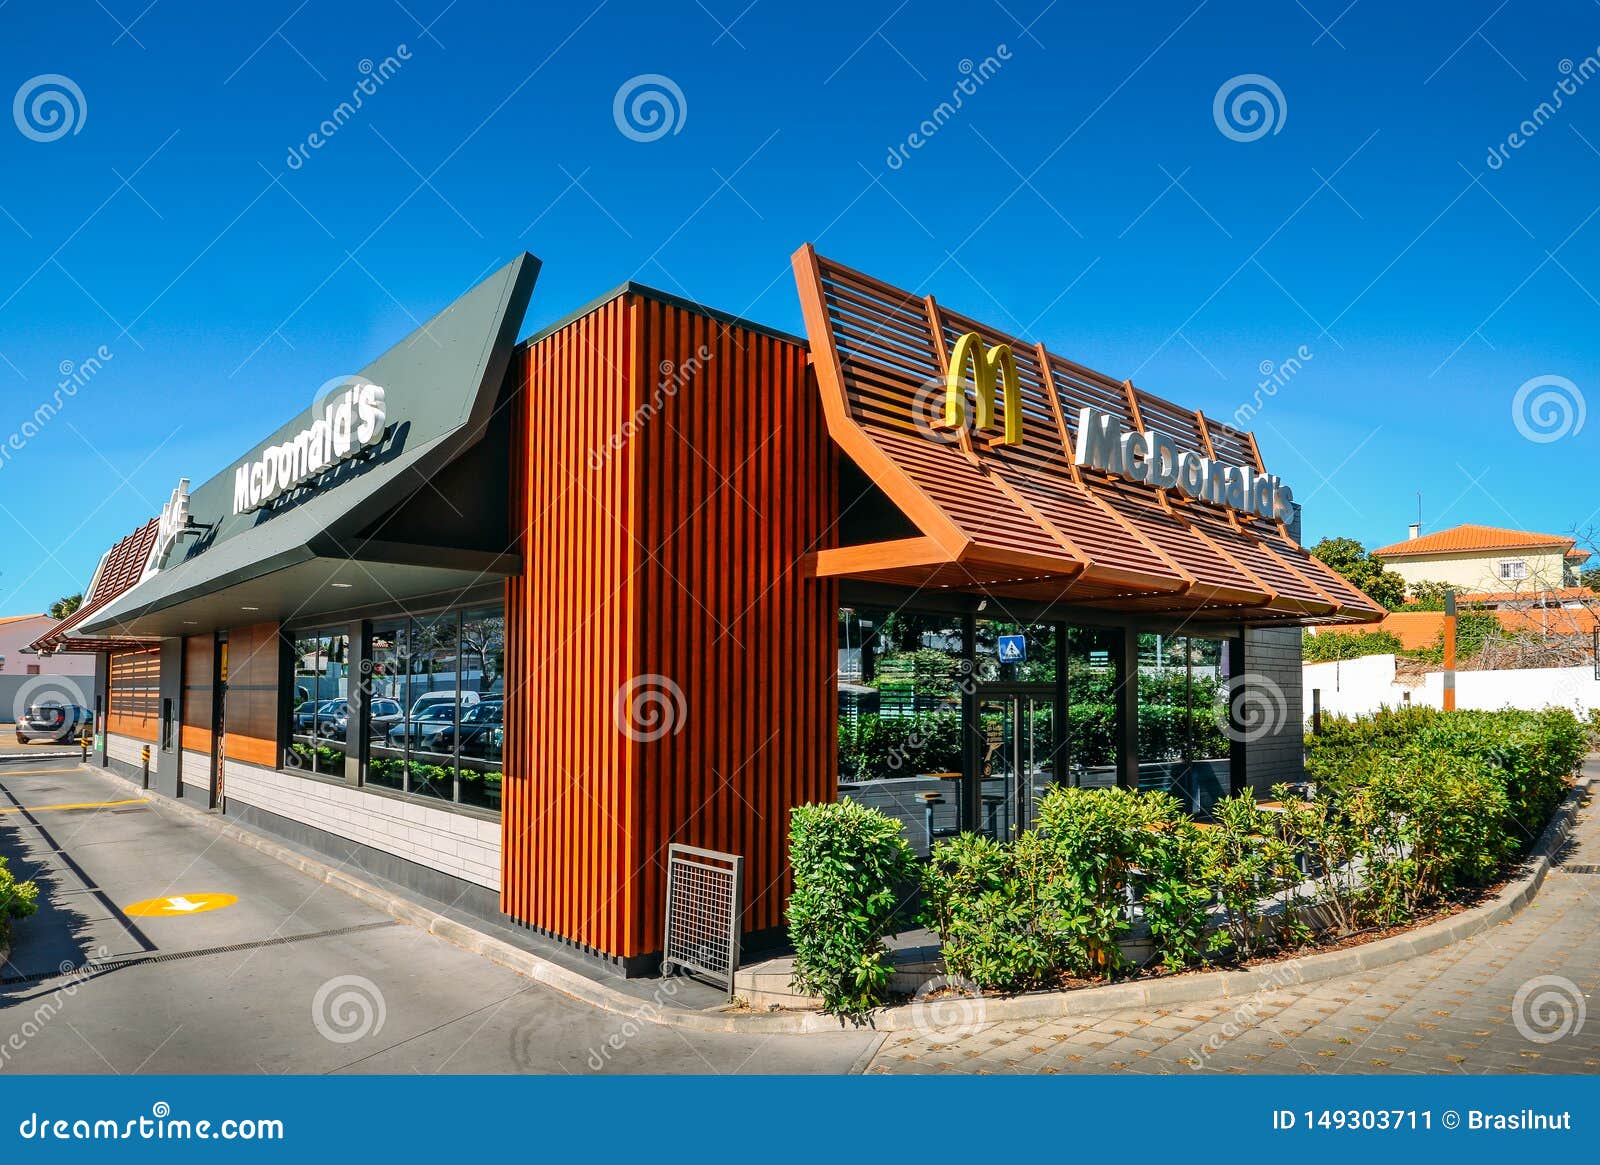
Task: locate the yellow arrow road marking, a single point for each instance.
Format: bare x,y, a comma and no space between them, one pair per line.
82,805
180,904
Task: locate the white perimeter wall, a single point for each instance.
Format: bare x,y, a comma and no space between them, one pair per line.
1353,687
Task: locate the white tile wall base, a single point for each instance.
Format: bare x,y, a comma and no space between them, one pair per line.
453,843
128,749
195,772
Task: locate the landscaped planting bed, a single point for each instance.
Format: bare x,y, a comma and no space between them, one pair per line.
1411,814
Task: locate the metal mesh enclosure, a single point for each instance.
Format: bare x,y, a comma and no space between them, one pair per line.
704,893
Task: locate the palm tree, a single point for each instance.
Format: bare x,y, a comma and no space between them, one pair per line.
65,605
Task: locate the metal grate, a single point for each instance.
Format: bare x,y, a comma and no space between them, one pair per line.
704,893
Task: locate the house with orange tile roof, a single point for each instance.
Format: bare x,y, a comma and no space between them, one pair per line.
1487,561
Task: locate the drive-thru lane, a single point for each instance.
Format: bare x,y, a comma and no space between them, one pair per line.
163,946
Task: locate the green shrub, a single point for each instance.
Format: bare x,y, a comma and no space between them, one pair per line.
983,898
1249,863
1054,903
17,899
1327,647
850,865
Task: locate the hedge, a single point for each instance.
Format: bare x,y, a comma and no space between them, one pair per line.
17,900
1412,810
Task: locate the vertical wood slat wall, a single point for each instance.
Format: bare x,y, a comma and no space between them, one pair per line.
196,709
673,475
251,731
133,693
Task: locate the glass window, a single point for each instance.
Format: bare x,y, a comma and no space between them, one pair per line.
1182,698
435,703
386,688
319,718
1092,705
482,732
901,679
437,706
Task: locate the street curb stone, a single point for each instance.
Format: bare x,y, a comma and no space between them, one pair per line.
1087,1001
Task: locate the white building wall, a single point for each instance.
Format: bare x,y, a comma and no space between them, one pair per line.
127,749
453,843
1356,687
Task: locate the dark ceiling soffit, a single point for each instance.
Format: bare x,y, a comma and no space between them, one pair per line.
284,539
491,565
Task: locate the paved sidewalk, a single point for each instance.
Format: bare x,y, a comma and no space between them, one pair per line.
1456,1010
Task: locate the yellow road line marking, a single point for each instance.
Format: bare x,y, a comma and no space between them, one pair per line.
21,772
83,805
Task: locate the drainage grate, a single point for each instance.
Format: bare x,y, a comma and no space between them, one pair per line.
704,893
175,956
1577,868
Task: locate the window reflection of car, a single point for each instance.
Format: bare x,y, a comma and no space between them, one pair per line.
382,715
308,714
429,719
481,730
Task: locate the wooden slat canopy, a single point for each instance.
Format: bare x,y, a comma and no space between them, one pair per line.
119,572
1024,520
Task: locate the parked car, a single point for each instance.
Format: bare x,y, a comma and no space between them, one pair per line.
479,731
52,721
433,699
308,714
382,715
431,719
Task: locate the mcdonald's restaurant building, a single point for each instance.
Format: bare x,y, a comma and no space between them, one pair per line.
500,621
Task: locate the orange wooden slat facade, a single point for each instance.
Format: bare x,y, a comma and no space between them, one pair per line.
198,706
252,729
133,693
671,670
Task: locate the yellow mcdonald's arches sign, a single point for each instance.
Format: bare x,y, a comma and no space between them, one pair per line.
987,365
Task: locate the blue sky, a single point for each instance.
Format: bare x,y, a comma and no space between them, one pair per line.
1084,195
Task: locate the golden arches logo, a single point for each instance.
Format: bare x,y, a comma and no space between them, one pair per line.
987,364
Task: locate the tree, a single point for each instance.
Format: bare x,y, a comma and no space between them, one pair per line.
1349,558
1590,578
65,605
1430,596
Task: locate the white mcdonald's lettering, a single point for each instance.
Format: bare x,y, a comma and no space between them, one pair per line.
349,423
1155,459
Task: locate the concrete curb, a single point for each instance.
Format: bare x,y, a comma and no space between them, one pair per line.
1153,993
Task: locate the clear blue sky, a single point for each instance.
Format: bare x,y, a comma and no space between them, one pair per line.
1084,195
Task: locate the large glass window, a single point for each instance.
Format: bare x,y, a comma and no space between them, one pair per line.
1183,748
1092,705
437,694
320,715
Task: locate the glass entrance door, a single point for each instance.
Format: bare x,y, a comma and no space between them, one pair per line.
1017,758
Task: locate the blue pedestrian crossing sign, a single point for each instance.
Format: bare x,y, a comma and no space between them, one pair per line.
1013,649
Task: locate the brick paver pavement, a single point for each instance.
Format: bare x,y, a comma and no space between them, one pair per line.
1455,1010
